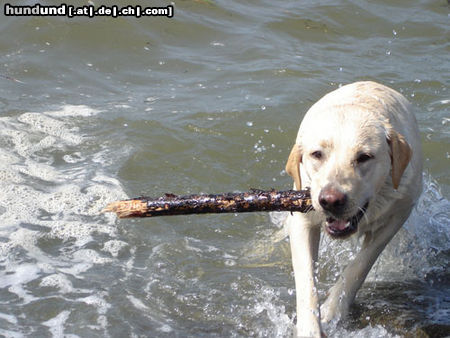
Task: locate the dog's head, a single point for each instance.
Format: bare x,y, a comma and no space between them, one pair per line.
346,157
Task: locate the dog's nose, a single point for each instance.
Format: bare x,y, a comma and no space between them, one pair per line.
332,199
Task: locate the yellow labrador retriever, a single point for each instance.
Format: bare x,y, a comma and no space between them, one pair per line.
358,149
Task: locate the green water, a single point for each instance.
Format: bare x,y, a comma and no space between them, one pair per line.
97,109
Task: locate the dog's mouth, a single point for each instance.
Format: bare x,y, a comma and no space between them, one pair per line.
339,228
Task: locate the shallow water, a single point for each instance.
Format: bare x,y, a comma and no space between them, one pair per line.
95,110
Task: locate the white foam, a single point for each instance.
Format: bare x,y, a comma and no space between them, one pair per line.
88,255
75,157
59,281
56,324
73,194
9,318
102,307
114,247
137,303
46,131
77,269
45,198
411,253
97,301
11,334
74,111
15,279
165,328
281,324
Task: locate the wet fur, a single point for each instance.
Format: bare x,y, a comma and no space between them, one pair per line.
363,117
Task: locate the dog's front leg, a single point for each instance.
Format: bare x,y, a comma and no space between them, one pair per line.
342,294
304,239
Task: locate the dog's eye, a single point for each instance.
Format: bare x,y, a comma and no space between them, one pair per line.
364,158
317,155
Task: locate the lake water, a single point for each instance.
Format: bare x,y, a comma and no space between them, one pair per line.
98,109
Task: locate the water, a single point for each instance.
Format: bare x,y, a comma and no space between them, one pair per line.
95,110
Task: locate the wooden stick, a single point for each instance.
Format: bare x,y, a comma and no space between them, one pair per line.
255,200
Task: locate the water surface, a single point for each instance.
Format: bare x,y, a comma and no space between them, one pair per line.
95,110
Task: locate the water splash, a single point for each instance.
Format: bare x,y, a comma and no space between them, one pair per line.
413,269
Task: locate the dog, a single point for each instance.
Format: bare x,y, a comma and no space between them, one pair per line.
358,150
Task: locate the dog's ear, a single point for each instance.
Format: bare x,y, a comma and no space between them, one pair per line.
400,155
293,165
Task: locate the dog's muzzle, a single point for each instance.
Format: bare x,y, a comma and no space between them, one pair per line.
339,228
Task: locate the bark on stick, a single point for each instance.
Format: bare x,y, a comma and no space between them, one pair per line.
254,200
